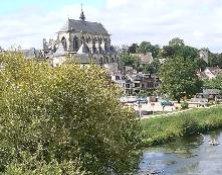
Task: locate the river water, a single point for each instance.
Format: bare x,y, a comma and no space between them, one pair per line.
193,155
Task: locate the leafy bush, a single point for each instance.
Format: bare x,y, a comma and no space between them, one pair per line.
28,164
184,105
70,112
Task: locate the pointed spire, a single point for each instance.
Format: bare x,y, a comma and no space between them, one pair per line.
82,15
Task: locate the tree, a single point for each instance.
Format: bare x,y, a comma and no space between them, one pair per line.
179,78
176,42
127,59
154,67
177,48
215,83
168,52
67,120
133,48
146,47
215,59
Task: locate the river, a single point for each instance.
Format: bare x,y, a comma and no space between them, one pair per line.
193,155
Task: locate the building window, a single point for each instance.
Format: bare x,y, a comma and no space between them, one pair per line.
75,43
64,43
127,85
117,78
100,48
94,47
150,84
137,85
105,47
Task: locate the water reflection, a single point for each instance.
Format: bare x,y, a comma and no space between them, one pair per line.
214,136
192,155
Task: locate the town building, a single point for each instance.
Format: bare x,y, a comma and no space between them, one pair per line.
144,59
210,73
136,83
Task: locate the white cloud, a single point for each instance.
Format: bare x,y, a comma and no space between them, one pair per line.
197,22
116,3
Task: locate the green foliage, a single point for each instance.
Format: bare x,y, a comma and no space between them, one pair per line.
146,47
28,164
133,48
179,78
215,59
215,83
128,60
154,67
177,48
163,129
176,42
71,113
184,105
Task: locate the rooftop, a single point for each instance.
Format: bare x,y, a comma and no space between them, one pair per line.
84,26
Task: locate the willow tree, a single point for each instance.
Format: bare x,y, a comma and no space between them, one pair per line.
68,118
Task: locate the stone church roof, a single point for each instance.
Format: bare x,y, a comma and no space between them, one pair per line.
84,26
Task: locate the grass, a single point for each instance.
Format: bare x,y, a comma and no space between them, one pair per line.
164,129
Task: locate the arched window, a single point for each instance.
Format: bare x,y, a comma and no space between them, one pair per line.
106,47
64,43
100,48
88,39
83,39
94,46
75,43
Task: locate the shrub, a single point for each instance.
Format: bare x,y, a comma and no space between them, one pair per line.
69,111
184,105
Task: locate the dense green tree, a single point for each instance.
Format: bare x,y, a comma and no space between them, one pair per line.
66,120
133,48
215,83
146,47
128,60
189,52
177,48
154,67
179,78
168,52
215,59
176,42
201,64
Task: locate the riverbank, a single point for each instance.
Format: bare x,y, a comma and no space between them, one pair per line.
164,129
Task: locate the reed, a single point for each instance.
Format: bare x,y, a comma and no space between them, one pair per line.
164,129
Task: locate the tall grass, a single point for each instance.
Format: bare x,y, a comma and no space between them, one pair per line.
163,129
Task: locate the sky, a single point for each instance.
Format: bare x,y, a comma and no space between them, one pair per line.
26,22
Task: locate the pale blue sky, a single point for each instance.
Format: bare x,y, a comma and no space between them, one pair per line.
198,22
9,6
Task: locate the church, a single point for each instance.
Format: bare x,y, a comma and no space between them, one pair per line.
89,42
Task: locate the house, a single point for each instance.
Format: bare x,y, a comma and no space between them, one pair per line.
144,59
206,95
210,73
136,83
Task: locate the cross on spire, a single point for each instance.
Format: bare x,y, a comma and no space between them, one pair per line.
82,15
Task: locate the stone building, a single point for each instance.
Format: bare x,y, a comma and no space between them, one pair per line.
88,41
210,73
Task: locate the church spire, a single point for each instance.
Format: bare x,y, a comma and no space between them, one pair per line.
82,15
